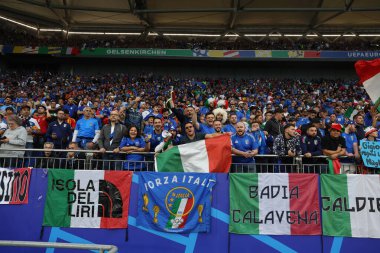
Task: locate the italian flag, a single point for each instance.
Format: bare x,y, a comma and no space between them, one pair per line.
179,213
351,205
334,166
350,113
71,51
87,199
260,203
369,73
209,155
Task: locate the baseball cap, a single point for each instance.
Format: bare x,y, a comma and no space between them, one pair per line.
369,130
336,126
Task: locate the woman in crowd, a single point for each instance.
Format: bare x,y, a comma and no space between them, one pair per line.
131,144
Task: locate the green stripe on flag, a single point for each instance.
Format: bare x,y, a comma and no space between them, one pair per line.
336,221
174,210
169,161
57,211
244,205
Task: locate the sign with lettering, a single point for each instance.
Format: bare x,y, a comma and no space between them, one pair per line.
351,205
14,185
274,204
175,202
370,151
88,199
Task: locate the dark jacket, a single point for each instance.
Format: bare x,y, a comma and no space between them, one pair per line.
105,136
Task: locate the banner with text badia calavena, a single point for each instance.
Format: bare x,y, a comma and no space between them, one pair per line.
274,204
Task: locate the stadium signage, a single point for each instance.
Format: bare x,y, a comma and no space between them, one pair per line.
14,185
141,52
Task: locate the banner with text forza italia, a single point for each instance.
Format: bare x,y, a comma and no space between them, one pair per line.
274,204
175,202
87,199
351,205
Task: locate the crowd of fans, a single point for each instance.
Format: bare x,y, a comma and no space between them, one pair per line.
20,37
128,115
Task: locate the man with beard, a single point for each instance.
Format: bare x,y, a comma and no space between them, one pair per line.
59,131
287,146
231,127
311,147
333,144
207,128
359,122
156,135
245,147
184,117
217,124
352,148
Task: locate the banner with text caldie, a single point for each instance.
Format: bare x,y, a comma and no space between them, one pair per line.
351,205
274,204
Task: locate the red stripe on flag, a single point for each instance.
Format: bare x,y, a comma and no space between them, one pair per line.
219,153
122,182
307,201
367,69
312,54
189,204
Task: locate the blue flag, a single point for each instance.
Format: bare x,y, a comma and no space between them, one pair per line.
175,202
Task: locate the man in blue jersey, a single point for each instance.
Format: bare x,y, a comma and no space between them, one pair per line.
156,135
352,148
231,127
87,130
207,128
71,107
245,147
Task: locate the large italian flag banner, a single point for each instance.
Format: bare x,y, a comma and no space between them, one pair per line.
351,205
369,74
14,185
209,155
87,199
274,204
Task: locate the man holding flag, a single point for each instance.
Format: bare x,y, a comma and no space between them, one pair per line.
334,146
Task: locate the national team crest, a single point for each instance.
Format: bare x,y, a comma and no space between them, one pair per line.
175,202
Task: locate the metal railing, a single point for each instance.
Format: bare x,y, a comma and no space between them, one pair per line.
96,160
31,244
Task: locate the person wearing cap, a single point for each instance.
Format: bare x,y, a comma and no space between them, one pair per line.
175,136
371,134
87,130
333,144
287,146
208,126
